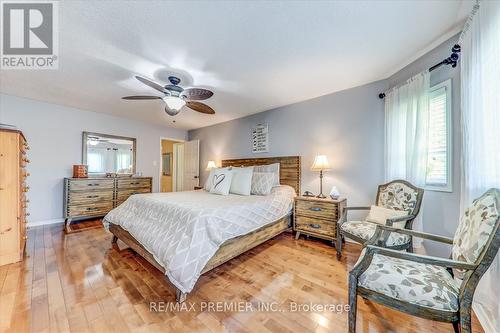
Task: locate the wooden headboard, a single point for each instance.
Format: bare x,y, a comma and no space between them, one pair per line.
289,168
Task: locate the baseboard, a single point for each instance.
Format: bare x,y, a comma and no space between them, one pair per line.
44,222
483,318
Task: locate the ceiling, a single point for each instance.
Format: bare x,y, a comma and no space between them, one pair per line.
255,56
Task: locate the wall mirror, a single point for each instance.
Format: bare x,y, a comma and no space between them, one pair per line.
105,153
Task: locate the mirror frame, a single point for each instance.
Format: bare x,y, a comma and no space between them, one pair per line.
85,136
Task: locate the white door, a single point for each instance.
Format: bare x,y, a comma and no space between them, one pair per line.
191,177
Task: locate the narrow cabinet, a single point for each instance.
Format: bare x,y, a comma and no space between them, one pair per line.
13,188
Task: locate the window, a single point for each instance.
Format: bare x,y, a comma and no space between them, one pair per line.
439,149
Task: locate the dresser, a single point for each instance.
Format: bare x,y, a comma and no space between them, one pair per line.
94,197
317,217
13,202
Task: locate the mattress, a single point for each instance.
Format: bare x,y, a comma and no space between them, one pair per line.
183,230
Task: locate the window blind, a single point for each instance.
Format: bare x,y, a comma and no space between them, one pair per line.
437,173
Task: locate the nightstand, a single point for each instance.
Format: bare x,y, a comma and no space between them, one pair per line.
317,217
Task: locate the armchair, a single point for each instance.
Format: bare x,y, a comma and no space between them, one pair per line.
397,195
425,286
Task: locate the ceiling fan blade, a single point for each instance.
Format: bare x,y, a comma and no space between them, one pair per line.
140,97
196,94
152,84
200,107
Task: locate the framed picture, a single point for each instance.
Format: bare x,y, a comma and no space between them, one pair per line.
165,164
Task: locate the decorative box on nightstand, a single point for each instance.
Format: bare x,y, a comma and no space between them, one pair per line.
317,217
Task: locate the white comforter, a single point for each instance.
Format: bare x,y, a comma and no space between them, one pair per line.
183,230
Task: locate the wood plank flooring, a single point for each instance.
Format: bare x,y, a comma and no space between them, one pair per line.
80,283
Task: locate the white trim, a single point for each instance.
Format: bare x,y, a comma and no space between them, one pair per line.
44,222
449,139
161,159
483,318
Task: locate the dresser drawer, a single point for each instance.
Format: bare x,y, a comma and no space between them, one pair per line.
90,184
316,209
315,226
95,209
78,198
133,183
125,193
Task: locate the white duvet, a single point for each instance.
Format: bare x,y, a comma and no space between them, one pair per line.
183,230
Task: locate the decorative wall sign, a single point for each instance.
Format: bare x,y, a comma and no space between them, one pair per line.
260,138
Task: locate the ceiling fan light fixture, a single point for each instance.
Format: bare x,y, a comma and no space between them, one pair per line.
174,103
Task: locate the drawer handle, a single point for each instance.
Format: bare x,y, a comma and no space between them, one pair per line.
92,208
314,226
315,209
95,184
92,196
135,183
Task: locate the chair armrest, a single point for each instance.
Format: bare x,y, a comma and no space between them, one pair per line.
391,221
356,208
419,234
370,250
343,218
424,259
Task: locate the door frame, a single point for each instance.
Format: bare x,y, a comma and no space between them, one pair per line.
161,159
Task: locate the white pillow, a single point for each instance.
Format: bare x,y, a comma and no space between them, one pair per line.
273,168
221,181
208,182
262,183
242,181
381,214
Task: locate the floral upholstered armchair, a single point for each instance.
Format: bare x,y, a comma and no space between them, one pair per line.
397,195
430,287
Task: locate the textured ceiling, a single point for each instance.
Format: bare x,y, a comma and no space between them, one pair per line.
255,56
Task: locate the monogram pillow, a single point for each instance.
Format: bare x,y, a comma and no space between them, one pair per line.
272,168
221,181
262,183
209,181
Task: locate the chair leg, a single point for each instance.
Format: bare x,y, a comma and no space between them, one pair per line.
410,248
465,320
456,326
353,297
338,247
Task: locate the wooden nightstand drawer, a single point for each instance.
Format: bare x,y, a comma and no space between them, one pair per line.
317,226
317,209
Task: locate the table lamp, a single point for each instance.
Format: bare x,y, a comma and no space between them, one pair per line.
211,165
320,164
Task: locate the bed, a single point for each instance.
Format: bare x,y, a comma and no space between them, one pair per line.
192,232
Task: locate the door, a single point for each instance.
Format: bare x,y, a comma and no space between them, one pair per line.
191,176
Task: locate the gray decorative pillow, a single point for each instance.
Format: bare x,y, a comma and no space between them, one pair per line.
221,181
273,168
262,183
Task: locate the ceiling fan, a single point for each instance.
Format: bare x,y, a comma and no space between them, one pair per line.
175,97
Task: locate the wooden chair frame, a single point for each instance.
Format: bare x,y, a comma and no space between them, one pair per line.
461,319
382,239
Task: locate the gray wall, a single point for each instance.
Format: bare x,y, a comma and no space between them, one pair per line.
441,210
347,126
54,134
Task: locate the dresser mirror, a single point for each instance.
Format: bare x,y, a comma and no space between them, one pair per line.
108,154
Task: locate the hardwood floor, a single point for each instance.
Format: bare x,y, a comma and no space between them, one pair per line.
79,283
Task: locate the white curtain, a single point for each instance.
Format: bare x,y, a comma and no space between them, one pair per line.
480,76
406,133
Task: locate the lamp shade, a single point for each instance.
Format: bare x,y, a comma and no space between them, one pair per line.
320,163
211,165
